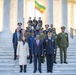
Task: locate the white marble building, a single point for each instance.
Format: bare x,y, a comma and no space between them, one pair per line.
58,13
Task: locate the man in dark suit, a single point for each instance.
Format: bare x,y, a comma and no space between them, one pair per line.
49,44
37,53
30,41
15,40
19,26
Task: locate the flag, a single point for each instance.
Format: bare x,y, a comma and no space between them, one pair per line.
39,7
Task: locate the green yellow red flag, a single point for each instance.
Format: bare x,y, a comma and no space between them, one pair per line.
39,7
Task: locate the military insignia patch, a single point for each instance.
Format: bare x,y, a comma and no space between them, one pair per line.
52,40
46,40
66,35
55,36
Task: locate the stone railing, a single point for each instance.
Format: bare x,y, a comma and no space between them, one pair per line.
72,32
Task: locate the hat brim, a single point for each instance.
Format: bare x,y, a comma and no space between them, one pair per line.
63,28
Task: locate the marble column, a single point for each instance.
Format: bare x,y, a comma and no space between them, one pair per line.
49,12
57,15
72,15
1,15
6,16
20,16
13,15
64,13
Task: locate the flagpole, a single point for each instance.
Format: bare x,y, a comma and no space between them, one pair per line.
34,9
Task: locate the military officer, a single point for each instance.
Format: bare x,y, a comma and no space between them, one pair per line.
49,43
29,22
37,31
28,31
63,43
51,27
35,21
31,39
46,28
42,37
40,22
55,37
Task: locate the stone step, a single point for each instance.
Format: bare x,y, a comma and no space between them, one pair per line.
10,67
11,61
57,73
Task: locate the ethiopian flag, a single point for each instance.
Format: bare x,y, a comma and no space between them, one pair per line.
39,7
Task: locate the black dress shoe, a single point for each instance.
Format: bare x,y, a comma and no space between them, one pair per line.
14,58
30,63
55,62
66,62
61,62
42,62
20,71
34,72
24,71
50,71
24,68
47,71
40,71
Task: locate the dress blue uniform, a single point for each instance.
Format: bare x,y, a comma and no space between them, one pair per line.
37,32
46,30
49,46
31,39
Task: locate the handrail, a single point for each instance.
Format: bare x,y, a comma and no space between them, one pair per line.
72,32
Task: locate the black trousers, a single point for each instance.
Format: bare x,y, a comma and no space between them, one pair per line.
37,57
15,50
30,51
49,61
